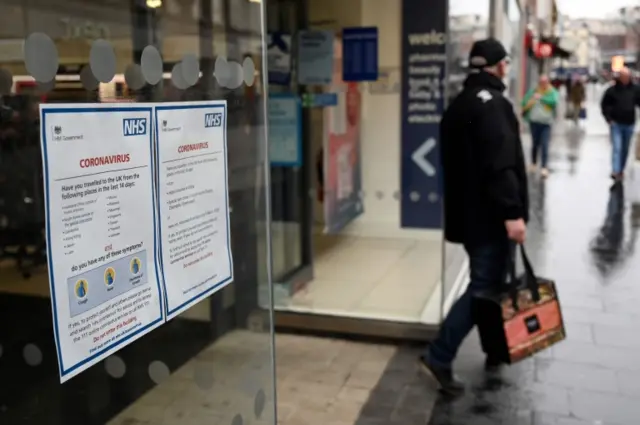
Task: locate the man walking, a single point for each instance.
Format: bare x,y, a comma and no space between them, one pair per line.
619,110
485,195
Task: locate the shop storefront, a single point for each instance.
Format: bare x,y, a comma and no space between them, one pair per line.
209,360
341,209
357,240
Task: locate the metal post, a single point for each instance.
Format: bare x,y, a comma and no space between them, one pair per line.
144,32
206,48
493,16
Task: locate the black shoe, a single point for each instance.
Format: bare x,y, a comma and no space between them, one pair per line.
492,365
443,376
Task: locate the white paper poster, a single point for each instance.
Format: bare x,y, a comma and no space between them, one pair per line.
285,130
315,57
101,230
195,248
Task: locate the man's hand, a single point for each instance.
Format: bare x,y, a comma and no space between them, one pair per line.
516,230
537,96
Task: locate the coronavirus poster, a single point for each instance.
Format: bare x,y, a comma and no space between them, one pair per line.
101,229
193,202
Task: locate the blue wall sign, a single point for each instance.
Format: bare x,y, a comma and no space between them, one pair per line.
319,100
285,130
424,55
279,58
315,57
360,54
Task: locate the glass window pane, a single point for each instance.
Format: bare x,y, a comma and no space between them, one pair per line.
212,363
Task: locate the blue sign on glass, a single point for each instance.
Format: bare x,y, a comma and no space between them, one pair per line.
315,57
360,54
423,61
285,130
319,100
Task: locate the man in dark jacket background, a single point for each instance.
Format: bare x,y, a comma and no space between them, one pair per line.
485,195
618,106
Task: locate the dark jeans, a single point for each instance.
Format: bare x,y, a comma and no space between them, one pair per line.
621,135
488,267
540,136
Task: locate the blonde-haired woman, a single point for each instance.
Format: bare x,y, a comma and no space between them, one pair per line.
539,107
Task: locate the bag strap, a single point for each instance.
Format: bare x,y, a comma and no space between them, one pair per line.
530,276
530,279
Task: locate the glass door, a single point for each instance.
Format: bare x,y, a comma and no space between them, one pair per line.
291,197
84,88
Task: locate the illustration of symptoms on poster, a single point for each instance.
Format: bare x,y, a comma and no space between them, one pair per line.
285,130
424,55
315,57
101,243
195,252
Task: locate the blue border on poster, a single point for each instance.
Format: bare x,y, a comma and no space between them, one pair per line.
298,161
423,73
63,110
360,54
206,293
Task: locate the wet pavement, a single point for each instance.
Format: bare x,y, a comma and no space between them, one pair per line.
583,235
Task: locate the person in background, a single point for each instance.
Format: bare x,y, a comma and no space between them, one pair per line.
618,107
486,200
577,97
539,109
567,85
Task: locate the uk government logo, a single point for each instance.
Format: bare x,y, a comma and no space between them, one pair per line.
109,277
167,128
81,289
58,135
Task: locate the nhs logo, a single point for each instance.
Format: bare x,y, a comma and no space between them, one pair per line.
134,126
213,120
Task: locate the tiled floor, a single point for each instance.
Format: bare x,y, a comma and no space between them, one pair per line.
229,382
320,382
384,278
324,381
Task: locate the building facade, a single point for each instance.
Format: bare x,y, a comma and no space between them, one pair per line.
578,37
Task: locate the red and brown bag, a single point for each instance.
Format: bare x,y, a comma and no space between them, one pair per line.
522,319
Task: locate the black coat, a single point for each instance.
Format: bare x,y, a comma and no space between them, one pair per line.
485,181
619,103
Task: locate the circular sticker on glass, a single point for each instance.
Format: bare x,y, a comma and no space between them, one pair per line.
81,289
109,276
135,266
